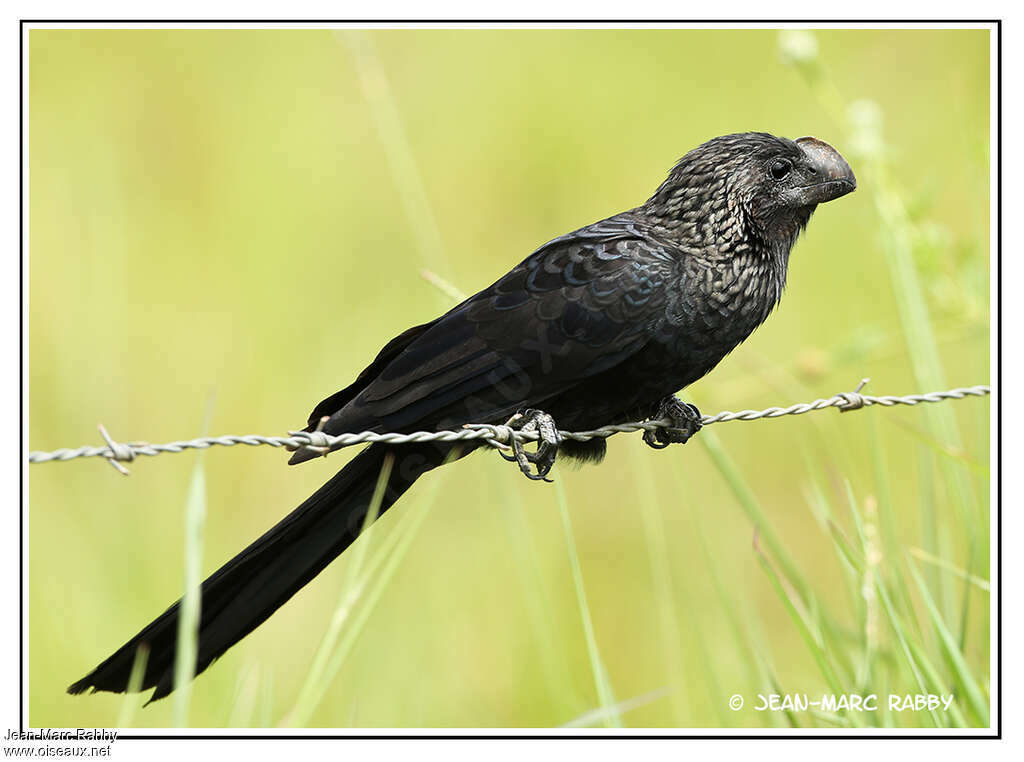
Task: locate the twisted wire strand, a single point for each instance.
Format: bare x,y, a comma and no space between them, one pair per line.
494,435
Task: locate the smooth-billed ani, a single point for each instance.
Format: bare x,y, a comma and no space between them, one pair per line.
599,326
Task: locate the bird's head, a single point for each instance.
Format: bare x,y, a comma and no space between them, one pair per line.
747,186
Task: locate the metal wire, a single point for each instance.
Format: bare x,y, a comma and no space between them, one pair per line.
494,435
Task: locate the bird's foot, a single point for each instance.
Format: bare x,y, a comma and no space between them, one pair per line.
685,422
547,445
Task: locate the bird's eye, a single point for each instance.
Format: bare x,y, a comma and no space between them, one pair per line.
779,168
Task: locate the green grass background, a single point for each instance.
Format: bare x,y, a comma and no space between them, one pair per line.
228,213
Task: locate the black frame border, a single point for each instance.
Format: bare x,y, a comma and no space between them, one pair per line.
23,23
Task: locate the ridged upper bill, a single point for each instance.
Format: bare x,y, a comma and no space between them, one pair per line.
836,179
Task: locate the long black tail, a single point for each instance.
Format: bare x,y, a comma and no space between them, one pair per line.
239,596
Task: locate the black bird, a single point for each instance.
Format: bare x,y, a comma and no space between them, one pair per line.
599,326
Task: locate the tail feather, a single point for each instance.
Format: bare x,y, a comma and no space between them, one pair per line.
250,587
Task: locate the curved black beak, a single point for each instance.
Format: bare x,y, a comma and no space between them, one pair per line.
834,176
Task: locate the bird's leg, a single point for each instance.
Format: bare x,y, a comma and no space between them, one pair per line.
547,444
685,418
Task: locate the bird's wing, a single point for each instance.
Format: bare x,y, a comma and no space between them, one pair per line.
577,306
391,350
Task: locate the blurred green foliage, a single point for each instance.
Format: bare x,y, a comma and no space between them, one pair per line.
229,212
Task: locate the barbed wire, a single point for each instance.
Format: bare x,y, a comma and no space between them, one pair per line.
495,435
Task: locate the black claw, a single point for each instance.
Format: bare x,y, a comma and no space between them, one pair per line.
686,421
650,439
547,446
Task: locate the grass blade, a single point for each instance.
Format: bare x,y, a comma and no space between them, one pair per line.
379,572
600,714
975,699
665,596
244,701
803,622
188,619
757,673
313,687
911,655
538,605
397,150
130,702
923,555
605,694
750,505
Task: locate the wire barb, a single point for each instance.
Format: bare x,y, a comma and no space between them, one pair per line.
117,452
319,442
854,399
498,436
